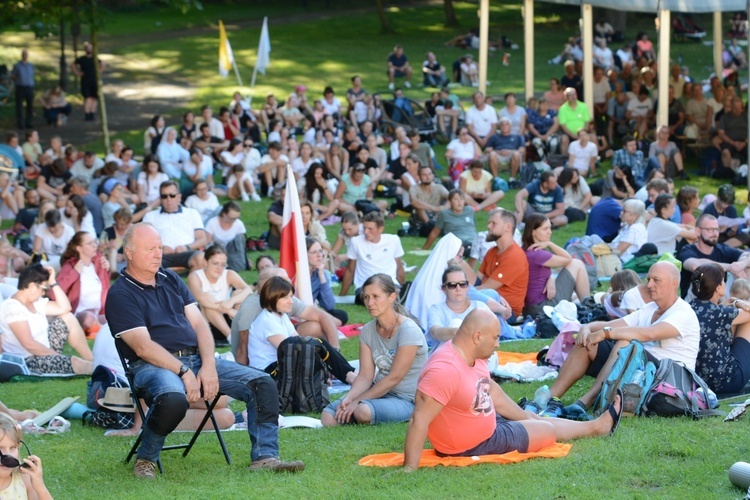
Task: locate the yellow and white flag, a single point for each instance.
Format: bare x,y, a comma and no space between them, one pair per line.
226,58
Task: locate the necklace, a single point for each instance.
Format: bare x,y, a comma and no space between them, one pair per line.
389,333
462,354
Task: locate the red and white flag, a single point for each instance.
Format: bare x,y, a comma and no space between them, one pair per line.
293,248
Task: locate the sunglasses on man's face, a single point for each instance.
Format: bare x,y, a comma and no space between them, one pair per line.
164,196
451,285
12,462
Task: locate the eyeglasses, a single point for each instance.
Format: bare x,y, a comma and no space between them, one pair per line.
451,285
164,196
43,287
709,229
12,462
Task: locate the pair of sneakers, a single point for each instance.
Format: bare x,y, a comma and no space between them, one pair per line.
554,409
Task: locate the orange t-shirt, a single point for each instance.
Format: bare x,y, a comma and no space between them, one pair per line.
468,414
511,269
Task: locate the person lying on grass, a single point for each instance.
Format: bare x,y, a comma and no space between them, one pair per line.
465,413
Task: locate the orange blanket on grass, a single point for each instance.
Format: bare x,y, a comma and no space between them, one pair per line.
515,357
430,458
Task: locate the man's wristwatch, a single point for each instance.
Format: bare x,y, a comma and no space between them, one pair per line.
183,370
607,330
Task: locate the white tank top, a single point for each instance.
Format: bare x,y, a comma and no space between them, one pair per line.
220,290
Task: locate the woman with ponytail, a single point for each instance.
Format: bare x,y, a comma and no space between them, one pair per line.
724,355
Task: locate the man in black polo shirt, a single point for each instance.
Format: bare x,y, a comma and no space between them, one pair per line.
707,250
160,331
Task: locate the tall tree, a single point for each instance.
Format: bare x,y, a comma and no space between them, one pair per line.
450,14
385,26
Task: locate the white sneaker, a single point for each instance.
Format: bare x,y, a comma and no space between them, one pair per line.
245,197
255,197
391,86
270,192
407,85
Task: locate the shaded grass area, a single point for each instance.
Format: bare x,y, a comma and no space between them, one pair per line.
663,458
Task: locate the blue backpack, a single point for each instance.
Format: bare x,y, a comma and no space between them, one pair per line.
635,386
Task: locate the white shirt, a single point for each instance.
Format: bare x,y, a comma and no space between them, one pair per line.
224,236
635,234
177,228
632,300
90,298
460,150
260,351
331,108
481,120
640,108
206,167
87,224
171,157
12,311
300,167
373,258
151,184
52,245
582,155
231,159
682,348
79,169
442,316
663,233
206,208
251,161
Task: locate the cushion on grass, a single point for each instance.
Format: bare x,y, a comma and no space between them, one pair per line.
430,458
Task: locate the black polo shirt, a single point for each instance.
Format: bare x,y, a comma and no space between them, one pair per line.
160,309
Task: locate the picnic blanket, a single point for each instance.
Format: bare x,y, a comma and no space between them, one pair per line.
431,459
520,367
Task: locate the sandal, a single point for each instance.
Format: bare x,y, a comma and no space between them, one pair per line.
29,427
616,416
58,425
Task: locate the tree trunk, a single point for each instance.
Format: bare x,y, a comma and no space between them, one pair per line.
63,65
385,27
100,91
450,14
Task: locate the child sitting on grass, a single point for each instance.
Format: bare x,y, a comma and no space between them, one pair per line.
18,478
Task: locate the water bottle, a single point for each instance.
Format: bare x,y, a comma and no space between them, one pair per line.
638,376
542,397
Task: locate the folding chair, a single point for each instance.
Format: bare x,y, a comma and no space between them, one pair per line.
134,393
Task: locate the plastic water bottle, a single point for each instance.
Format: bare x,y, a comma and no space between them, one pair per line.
542,397
638,376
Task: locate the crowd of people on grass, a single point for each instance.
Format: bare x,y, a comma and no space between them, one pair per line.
96,243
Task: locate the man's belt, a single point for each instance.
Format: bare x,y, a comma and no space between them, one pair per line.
188,351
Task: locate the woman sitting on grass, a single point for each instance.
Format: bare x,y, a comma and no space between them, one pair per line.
664,233
26,331
318,192
544,288
355,186
273,326
392,353
724,355
84,278
477,183
632,233
219,292
458,219
320,281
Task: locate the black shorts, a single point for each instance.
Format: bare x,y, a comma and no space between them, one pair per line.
604,350
89,89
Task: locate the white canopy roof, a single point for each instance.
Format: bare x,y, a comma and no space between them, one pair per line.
691,6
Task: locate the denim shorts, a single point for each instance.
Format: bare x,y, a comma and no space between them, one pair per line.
508,436
382,410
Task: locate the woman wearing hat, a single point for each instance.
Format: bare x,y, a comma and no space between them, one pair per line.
544,288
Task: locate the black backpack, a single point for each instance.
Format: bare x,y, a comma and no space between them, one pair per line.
678,391
101,379
301,375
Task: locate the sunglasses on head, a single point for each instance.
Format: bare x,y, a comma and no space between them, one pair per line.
12,462
451,285
164,196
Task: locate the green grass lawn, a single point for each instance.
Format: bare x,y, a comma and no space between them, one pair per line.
661,458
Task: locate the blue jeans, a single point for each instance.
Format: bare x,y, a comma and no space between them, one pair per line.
383,410
255,387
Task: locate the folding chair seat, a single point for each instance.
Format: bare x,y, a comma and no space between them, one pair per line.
135,393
